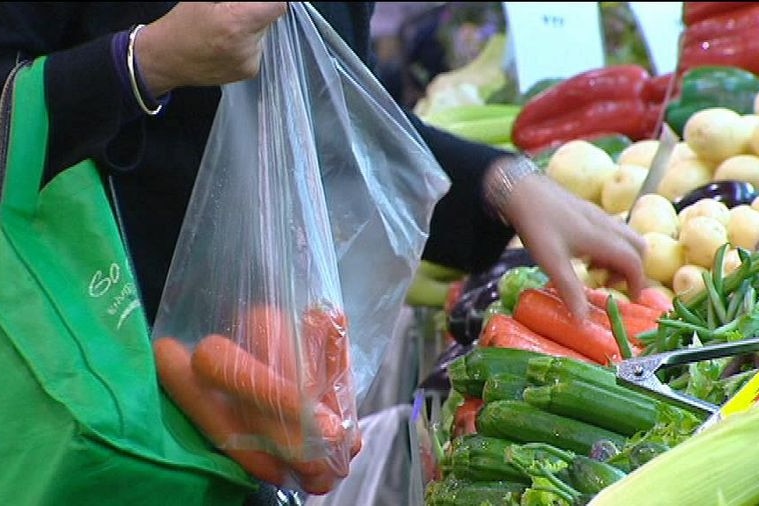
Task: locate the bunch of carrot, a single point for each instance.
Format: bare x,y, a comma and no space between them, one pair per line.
542,322
279,417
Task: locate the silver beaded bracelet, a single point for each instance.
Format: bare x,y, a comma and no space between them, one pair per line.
133,76
502,179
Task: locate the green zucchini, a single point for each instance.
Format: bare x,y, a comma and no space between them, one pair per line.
590,476
476,457
503,386
523,422
545,369
456,492
611,407
469,372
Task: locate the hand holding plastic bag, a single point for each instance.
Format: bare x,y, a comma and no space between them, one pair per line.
306,222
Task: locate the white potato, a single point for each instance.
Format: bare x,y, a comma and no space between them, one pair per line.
619,191
739,168
663,257
654,213
717,133
753,142
582,168
701,236
681,152
743,227
684,175
639,153
705,207
688,281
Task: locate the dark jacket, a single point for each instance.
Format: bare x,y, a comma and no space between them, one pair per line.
153,161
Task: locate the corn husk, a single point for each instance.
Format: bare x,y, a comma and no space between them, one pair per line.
717,466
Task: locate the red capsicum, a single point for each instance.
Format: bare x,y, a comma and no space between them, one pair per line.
739,49
693,12
722,24
720,33
607,100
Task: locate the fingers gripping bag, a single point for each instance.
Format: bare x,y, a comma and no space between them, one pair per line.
306,223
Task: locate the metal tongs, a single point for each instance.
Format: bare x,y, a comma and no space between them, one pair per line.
639,373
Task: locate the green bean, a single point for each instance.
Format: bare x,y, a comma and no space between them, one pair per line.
618,328
674,340
648,337
749,300
736,300
711,319
718,268
714,297
748,269
682,311
719,332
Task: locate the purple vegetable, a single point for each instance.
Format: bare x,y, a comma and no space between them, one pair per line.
731,193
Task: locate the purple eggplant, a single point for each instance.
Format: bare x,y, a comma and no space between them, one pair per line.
466,316
438,378
731,193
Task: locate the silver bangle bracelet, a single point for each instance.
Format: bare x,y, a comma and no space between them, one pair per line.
501,180
133,76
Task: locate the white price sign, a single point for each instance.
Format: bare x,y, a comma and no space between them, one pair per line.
553,39
661,24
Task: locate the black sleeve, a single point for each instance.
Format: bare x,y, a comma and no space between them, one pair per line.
83,94
462,233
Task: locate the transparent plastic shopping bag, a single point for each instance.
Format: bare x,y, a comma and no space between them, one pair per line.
306,223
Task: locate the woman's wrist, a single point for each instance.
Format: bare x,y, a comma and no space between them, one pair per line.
501,181
137,95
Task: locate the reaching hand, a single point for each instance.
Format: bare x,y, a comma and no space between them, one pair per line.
557,226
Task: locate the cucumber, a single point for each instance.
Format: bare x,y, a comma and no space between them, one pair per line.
522,422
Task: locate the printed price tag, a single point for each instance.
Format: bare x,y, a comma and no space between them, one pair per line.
661,25
553,39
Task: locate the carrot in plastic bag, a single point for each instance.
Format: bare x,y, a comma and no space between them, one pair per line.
210,411
268,334
225,365
325,333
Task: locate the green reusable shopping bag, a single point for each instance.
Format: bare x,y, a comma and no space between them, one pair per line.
82,418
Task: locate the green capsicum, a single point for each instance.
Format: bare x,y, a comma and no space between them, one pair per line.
712,86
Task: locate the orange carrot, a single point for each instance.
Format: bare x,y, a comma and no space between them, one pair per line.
630,309
635,318
656,299
326,337
268,334
546,314
211,412
505,332
223,364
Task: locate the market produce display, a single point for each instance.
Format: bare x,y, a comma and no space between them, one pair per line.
529,423
534,414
